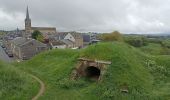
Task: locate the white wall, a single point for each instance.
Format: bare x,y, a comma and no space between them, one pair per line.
70,37
59,47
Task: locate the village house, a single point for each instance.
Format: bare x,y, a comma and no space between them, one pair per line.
57,44
24,48
75,38
69,43
90,38
60,44
86,39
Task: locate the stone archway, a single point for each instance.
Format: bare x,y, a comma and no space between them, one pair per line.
93,69
92,72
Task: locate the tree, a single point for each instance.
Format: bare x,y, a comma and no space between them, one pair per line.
38,36
114,36
35,34
136,41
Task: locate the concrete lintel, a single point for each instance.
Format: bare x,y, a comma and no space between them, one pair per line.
97,61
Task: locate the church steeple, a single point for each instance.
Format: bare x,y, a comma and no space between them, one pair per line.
27,22
27,14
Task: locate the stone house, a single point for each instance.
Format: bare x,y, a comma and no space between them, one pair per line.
74,37
24,48
61,44
57,44
86,39
68,43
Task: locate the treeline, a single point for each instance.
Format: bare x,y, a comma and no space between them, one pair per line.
137,40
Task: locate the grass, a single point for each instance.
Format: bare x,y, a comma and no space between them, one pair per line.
139,72
152,48
15,84
146,76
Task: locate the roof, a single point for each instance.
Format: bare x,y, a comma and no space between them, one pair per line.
68,42
39,44
86,38
57,43
44,28
61,35
20,41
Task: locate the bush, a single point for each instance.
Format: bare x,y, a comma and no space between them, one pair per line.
114,36
38,36
136,41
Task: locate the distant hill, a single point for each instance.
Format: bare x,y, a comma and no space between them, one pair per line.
145,77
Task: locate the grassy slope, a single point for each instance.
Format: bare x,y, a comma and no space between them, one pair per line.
152,48
15,85
128,68
163,84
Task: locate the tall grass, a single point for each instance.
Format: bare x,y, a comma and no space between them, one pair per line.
15,84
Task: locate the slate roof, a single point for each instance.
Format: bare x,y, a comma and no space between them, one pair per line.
20,41
23,41
57,43
68,42
86,38
61,35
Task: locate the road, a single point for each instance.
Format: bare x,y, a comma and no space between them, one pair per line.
4,56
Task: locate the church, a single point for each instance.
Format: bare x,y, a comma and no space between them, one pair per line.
29,29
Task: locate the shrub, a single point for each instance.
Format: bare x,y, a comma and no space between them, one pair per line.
114,36
136,41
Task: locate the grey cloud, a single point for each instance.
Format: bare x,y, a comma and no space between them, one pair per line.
89,15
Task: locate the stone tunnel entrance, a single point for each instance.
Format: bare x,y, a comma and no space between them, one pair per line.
92,72
92,69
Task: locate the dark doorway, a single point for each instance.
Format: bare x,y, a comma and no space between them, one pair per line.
92,72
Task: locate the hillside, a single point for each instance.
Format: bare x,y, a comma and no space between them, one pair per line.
145,77
15,84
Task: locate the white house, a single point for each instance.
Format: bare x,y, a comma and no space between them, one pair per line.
69,37
58,44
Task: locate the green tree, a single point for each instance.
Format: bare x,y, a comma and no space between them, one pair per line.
35,34
114,36
38,36
136,41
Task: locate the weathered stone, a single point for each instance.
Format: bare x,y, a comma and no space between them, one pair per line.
93,69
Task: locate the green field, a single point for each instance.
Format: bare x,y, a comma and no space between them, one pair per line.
147,77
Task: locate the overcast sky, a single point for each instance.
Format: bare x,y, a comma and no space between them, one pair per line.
145,16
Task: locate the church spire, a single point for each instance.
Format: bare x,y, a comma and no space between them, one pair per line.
27,14
27,22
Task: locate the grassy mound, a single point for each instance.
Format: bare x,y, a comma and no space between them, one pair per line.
15,85
130,68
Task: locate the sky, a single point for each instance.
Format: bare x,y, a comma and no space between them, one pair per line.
127,16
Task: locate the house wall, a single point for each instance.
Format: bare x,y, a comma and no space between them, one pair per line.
28,51
79,42
70,37
70,45
59,46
